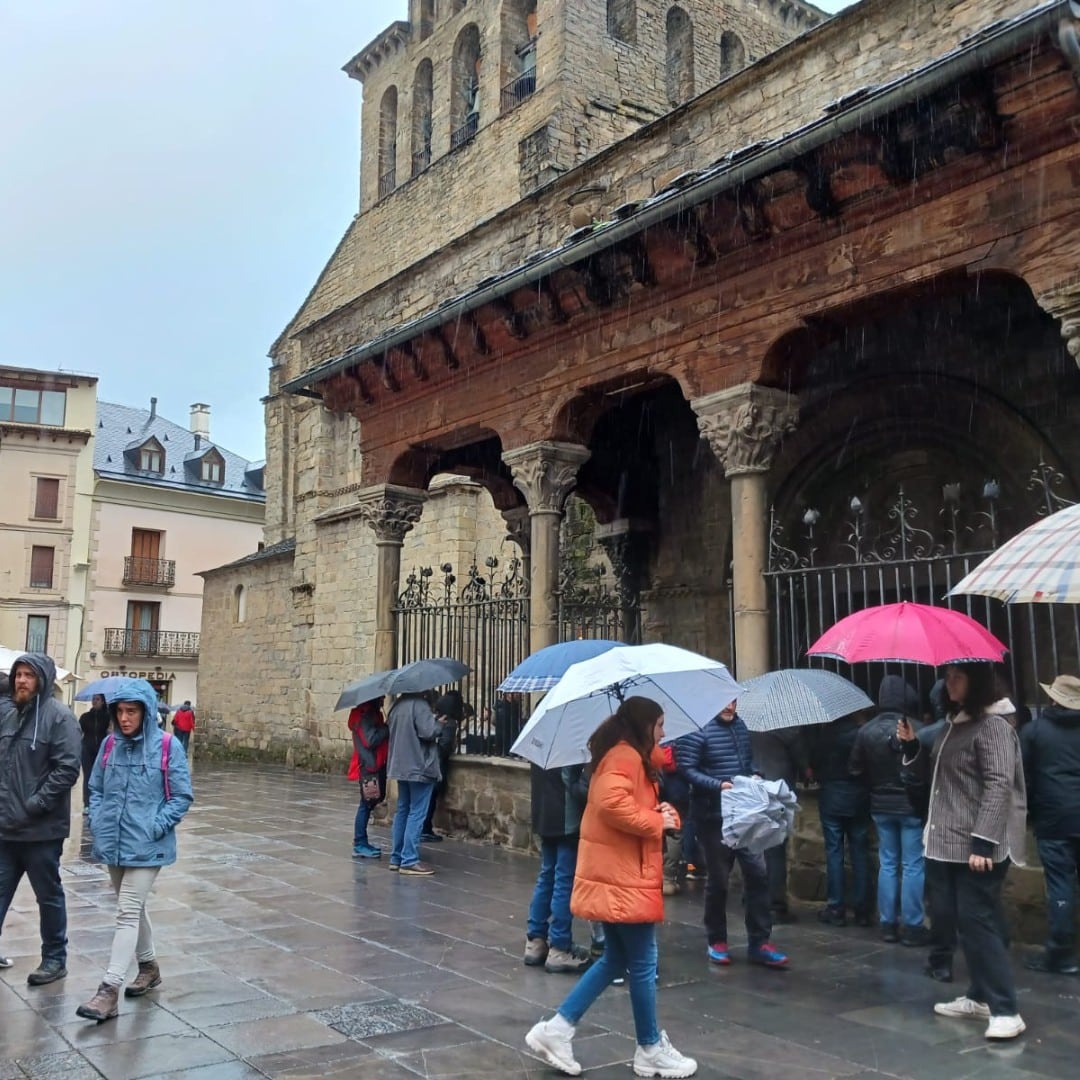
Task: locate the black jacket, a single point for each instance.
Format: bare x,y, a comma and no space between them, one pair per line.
781,754
558,801
1051,749
876,754
717,753
94,725
841,794
39,760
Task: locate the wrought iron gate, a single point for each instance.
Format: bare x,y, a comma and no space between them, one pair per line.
901,560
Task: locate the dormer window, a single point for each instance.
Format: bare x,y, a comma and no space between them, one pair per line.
152,457
212,468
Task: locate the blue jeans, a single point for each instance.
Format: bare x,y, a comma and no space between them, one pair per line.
39,860
900,843
183,738
412,803
630,950
551,897
1061,865
360,824
857,832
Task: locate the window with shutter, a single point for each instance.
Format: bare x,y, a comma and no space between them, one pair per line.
41,567
47,497
37,633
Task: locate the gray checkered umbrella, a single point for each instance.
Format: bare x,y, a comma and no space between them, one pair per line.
796,697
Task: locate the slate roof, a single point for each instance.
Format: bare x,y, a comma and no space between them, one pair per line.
272,551
121,427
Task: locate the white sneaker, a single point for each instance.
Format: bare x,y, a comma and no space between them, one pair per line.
1005,1027
556,1047
963,1008
663,1060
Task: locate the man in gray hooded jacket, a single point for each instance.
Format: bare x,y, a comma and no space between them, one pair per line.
39,764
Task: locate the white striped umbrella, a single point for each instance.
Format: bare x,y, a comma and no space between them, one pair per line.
795,697
1041,565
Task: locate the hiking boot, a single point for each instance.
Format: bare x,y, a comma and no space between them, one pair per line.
567,961
46,972
890,934
663,1060
149,976
767,954
536,951
963,1008
4,962
832,916
718,953
1005,1027
366,851
670,888
914,937
418,869
102,1006
553,1042
1039,962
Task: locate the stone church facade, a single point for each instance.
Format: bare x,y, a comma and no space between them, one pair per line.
790,303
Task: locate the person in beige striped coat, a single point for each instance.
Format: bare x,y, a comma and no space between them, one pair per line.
974,831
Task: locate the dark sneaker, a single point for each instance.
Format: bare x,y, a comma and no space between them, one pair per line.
914,937
430,838
596,948
832,916
767,954
46,972
366,851
718,953
939,972
889,933
418,869
1039,962
694,873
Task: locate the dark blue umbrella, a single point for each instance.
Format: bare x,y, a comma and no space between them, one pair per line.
412,678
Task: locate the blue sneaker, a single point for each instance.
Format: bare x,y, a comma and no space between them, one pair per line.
366,851
768,954
718,953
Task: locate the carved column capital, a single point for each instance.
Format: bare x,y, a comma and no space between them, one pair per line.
1063,302
546,472
391,511
745,425
518,529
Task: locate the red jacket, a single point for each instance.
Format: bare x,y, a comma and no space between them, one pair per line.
356,726
183,720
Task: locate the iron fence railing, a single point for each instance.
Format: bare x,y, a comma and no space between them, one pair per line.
466,132
387,183
152,572
517,90
128,642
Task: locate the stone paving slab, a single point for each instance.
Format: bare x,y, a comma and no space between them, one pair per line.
283,957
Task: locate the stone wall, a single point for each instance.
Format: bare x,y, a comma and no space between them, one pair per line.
487,799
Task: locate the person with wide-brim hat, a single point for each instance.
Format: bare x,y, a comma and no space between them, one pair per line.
1051,748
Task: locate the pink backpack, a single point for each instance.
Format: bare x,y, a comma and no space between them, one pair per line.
166,738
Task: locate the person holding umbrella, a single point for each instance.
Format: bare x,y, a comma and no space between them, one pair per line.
975,828
618,883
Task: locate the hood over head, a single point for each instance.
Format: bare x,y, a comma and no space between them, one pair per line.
939,700
895,695
135,690
452,705
43,667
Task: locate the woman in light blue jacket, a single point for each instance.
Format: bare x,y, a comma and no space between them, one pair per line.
140,788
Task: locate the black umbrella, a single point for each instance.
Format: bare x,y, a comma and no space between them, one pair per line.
411,678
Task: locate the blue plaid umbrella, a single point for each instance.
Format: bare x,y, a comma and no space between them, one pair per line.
795,697
545,668
103,686
1041,565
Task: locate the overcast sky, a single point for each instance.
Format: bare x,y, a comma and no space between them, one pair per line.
175,175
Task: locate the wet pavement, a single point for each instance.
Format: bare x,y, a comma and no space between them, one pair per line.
283,957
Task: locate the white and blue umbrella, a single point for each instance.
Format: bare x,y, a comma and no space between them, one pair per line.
795,697
545,668
690,688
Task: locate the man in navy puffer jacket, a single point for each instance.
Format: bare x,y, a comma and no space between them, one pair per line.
714,756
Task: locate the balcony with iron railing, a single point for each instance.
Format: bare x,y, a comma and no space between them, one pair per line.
387,183
466,133
421,160
517,90
178,643
153,573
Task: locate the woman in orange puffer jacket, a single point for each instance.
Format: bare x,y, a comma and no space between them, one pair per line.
618,882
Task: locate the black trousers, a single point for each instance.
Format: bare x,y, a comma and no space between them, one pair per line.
971,903
719,862
776,865
942,915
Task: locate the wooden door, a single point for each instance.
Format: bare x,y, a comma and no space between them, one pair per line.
145,544
142,625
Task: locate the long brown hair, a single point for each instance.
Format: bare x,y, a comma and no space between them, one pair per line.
982,689
632,722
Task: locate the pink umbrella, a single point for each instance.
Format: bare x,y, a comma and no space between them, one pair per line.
909,633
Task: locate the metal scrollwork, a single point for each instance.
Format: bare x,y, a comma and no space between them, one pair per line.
1044,481
908,541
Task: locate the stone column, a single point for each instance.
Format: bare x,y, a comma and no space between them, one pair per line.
391,512
545,473
1063,302
744,427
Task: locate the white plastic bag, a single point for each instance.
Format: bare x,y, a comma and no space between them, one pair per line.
758,814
